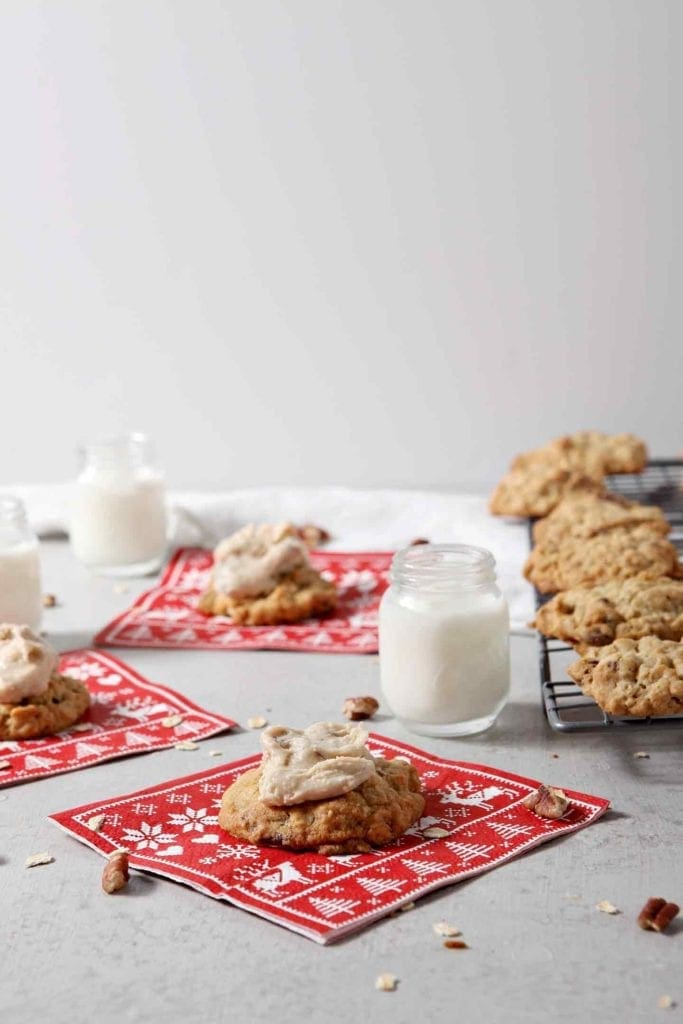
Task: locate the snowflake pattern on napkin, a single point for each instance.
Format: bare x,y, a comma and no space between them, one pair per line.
126,716
172,830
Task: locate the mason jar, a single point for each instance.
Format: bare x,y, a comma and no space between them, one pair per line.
21,599
444,640
118,514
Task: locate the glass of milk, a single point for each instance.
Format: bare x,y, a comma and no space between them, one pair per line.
443,640
118,514
21,599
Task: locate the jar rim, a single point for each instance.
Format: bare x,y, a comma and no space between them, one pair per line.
135,446
443,565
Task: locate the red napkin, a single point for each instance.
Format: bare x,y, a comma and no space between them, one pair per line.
125,717
172,830
167,615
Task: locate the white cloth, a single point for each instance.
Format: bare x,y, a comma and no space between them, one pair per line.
382,520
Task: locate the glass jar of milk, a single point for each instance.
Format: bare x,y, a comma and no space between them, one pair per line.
443,640
21,600
118,515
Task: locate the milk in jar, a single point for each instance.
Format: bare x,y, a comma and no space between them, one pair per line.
21,600
443,640
118,516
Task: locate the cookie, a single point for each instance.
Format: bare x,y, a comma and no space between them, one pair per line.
60,706
536,488
301,595
592,451
537,480
585,515
617,554
635,678
376,813
623,608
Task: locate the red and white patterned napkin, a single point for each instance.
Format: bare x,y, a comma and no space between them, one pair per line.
167,615
172,830
126,716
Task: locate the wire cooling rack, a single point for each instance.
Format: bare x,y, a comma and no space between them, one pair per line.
568,709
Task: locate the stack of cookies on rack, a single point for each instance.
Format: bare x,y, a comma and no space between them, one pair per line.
616,577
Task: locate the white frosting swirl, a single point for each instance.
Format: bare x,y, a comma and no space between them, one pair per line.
323,761
252,561
26,664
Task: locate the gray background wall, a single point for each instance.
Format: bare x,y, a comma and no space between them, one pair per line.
364,242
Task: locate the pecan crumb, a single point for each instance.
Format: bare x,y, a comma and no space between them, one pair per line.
172,720
38,858
606,907
358,708
115,874
448,931
455,944
386,982
657,914
96,822
418,540
49,600
257,722
313,536
547,802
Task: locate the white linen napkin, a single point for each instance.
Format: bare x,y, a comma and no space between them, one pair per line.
359,520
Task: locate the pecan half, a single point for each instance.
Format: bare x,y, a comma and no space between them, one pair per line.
657,914
547,802
115,874
313,536
358,708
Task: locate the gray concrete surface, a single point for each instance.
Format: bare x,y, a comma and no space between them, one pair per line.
540,951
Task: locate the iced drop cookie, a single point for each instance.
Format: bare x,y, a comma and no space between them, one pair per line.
320,789
34,699
262,576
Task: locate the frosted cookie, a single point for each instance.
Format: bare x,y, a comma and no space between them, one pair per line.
34,699
633,608
321,789
634,678
585,515
262,575
616,554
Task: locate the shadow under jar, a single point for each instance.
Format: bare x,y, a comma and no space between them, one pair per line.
444,640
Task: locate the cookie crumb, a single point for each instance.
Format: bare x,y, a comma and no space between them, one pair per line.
172,720
435,833
81,727
120,588
386,982
49,600
447,930
4,765
96,822
38,858
407,906
641,754
186,745
257,722
215,753
665,1003
606,907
